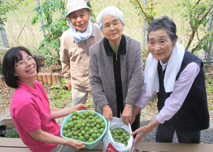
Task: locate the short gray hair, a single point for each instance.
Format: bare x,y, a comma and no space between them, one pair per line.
109,10
163,23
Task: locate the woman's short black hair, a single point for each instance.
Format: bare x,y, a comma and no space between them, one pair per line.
12,56
163,23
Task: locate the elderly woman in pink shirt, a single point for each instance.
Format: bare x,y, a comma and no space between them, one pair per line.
30,110
178,79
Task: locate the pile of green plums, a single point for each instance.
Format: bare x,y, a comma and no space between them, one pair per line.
120,135
85,126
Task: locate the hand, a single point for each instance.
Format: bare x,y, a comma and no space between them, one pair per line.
69,86
80,107
141,132
46,137
136,110
127,114
75,144
107,112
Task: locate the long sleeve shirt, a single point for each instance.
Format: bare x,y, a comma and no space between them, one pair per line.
177,97
75,58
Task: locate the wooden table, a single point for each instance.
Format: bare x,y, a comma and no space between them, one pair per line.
16,145
12,145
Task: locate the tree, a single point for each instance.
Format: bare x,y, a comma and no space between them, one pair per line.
53,27
197,15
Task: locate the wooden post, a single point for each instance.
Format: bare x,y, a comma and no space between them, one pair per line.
40,78
54,78
44,78
49,78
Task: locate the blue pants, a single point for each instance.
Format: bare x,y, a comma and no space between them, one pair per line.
165,133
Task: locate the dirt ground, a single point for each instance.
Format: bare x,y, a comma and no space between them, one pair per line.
147,114
6,94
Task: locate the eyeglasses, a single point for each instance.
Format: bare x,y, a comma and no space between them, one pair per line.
24,61
113,23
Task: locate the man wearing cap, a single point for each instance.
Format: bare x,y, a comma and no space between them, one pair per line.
74,49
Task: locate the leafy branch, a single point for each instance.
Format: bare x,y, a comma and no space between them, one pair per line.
6,6
147,11
202,43
196,20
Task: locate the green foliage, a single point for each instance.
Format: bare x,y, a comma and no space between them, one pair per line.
202,42
6,6
148,11
51,40
209,83
11,133
53,26
209,89
59,95
92,15
197,16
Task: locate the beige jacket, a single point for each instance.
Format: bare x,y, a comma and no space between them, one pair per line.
75,58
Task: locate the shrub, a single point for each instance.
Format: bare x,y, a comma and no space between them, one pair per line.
11,133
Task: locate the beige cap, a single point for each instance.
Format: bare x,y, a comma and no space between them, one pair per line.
74,5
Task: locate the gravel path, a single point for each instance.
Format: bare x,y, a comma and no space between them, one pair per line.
206,135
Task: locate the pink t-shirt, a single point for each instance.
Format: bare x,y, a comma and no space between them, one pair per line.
30,111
